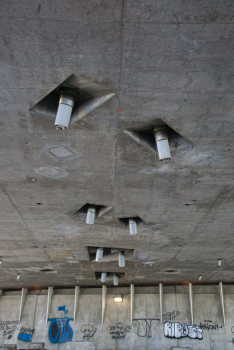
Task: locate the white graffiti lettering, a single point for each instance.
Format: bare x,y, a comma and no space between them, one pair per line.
176,330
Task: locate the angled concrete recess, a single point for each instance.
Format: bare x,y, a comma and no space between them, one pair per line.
87,95
110,254
144,135
100,210
109,276
124,222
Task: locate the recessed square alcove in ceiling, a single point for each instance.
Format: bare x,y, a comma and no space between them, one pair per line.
109,276
124,222
100,209
110,254
88,96
143,133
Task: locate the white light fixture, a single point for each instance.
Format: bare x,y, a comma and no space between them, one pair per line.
121,259
103,277
220,262
66,103
160,134
200,278
18,276
116,280
90,216
118,299
133,227
99,254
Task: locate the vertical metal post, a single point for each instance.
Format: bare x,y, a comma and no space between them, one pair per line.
161,301
132,299
222,300
191,300
49,299
77,292
22,302
103,302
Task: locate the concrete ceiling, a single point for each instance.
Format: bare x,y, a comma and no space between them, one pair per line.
168,60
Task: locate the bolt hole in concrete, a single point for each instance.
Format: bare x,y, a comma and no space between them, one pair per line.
171,271
38,203
47,270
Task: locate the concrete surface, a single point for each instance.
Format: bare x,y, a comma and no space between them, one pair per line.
117,332
171,60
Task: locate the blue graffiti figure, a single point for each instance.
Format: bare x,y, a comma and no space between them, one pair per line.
25,337
63,308
60,331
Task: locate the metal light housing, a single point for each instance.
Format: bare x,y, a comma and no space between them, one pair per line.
133,227
103,277
99,254
63,117
116,280
162,143
90,216
121,259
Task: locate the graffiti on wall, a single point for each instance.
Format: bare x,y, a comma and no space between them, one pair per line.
232,330
176,330
26,334
119,331
171,316
63,308
9,328
144,326
88,331
60,330
209,326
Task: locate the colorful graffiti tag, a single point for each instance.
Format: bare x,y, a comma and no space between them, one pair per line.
60,330
26,334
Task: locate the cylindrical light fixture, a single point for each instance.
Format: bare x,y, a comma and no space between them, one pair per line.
121,259
103,277
90,216
116,280
161,138
66,103
133,227
99,254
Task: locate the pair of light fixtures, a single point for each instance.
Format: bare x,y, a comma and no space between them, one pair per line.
115,278
63,117
91,212
99,256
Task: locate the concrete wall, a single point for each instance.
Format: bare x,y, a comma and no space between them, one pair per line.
117,332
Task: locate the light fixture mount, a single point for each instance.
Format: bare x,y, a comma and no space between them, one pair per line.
146,133
87,97
118,299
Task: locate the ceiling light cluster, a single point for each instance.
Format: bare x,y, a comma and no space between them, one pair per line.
121,257
111,275
67,102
